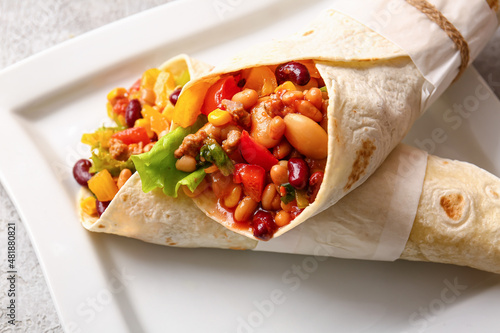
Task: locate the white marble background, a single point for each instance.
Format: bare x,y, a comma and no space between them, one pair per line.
30,26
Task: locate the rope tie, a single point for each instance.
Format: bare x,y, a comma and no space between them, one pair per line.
437,17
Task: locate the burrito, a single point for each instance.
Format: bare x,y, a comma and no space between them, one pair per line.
263,142
456,220
283,131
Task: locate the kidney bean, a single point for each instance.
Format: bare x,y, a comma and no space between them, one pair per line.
314,184
298,173
101,206
133,112
293,71
174,96
81,171
263,225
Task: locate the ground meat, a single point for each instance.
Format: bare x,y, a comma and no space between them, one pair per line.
231,143
122,152
275,107
236,109
118,150
191,144
135,148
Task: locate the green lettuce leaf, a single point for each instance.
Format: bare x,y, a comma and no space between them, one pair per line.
101,159
157,167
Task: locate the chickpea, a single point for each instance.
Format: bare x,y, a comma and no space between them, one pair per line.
290,97
288,207
309,110
282,149
315,96
186,163
125,174
276,204
306,135
233,198
268,196
279,174
247,97
276,128
199,190
282,218
148,147
245,209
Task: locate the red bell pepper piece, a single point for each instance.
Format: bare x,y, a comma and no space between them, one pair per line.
132,135
225,88
252,177
120,106
255,153
135,87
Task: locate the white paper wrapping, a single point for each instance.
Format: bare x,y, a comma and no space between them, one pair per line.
372,222
416,34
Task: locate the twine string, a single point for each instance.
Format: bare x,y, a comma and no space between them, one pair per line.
437,17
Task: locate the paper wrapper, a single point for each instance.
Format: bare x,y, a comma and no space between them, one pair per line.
372,222
411,30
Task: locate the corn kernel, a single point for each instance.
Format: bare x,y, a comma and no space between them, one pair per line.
219,117
116,93
287,85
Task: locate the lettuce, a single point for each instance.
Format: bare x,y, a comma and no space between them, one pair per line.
157,167
101,159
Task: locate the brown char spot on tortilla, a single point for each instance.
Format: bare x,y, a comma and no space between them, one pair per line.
361,163
453,205
307,33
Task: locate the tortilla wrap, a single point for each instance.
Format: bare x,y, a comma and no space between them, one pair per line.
375,95
456,221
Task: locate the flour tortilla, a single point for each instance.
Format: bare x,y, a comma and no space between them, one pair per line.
458,217
375,94
457,222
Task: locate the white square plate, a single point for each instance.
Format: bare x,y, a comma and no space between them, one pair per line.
105,283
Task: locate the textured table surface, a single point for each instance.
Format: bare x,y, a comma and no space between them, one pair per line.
30,26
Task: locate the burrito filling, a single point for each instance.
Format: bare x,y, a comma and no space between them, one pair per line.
142,114
264,145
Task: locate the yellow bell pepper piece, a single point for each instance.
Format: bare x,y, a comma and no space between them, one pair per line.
88,205
287,85
103,186
146,124
219,117
157,122
164,86
116,93
149,78
261,79
188,106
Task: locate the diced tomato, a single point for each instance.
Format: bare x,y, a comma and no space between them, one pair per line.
120,106
135,87
255,153
225,88
252,177
133,135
